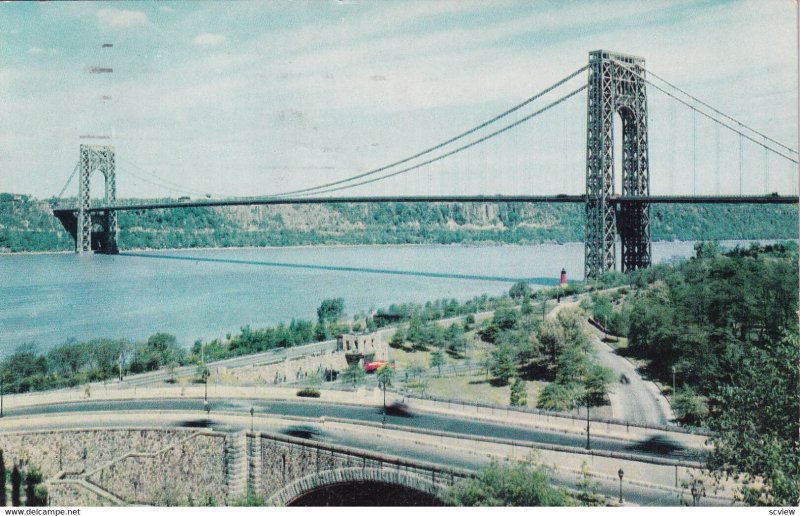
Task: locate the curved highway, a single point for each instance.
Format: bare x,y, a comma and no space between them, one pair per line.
359,413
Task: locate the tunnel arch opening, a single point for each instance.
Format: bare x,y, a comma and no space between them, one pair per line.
361,486
365,494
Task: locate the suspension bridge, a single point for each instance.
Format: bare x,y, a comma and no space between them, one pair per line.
617,195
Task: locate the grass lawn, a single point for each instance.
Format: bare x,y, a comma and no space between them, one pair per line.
473,387
406,357
617,342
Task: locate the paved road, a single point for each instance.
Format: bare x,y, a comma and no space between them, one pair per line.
471,459
270,357
315,409
637,401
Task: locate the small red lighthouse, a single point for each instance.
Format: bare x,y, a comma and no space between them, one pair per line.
563,278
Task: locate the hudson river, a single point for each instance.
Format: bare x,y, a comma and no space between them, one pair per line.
46,299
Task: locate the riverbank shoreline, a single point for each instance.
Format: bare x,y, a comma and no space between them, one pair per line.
471,244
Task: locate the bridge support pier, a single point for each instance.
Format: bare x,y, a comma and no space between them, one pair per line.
615,86
96,232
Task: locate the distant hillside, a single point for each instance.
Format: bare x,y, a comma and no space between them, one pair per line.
26,224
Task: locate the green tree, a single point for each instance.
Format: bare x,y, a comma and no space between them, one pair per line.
518,484
520,290
596,383
67,358
558,397
689,408
385,375
398,338
159,350
2,480
602,310
519,394
755,417
526,308
415,331
437,360
354,374
35,494
505,318
16,486
504,364
331,310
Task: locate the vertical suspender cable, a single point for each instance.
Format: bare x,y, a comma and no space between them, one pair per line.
741,167
694,152
766,170
716,137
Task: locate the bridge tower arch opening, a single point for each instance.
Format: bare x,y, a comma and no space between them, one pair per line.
616,87
98,231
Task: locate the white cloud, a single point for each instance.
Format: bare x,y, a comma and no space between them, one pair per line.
166,9
208,39
120,19
35,50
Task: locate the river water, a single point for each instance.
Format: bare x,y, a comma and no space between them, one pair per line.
46,299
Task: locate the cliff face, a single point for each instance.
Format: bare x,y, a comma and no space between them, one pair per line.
26,224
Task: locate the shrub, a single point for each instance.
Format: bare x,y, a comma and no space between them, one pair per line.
308,392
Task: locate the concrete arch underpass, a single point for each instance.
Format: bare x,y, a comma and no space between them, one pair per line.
358,487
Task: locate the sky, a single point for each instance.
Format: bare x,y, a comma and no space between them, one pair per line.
256,98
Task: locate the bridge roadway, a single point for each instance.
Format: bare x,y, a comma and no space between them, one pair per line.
560,198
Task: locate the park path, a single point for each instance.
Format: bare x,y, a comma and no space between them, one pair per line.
638,401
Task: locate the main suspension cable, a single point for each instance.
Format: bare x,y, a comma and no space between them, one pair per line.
439,146
71,176
454,151
710,117
712,108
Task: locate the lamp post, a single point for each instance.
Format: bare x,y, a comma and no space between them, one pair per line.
205,384
673,381
1,392
620,473
588,445
252,411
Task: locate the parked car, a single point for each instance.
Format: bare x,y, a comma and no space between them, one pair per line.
371,367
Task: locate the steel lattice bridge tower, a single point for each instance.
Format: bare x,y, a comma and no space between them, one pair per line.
616,88
94,229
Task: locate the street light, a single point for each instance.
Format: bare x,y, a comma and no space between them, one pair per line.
588,446
252,411
620,473
673,381
205,383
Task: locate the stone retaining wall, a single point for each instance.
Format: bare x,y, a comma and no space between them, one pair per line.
288,370
66,493
76,451
191,472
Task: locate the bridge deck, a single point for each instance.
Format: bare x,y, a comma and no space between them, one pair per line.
253,201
